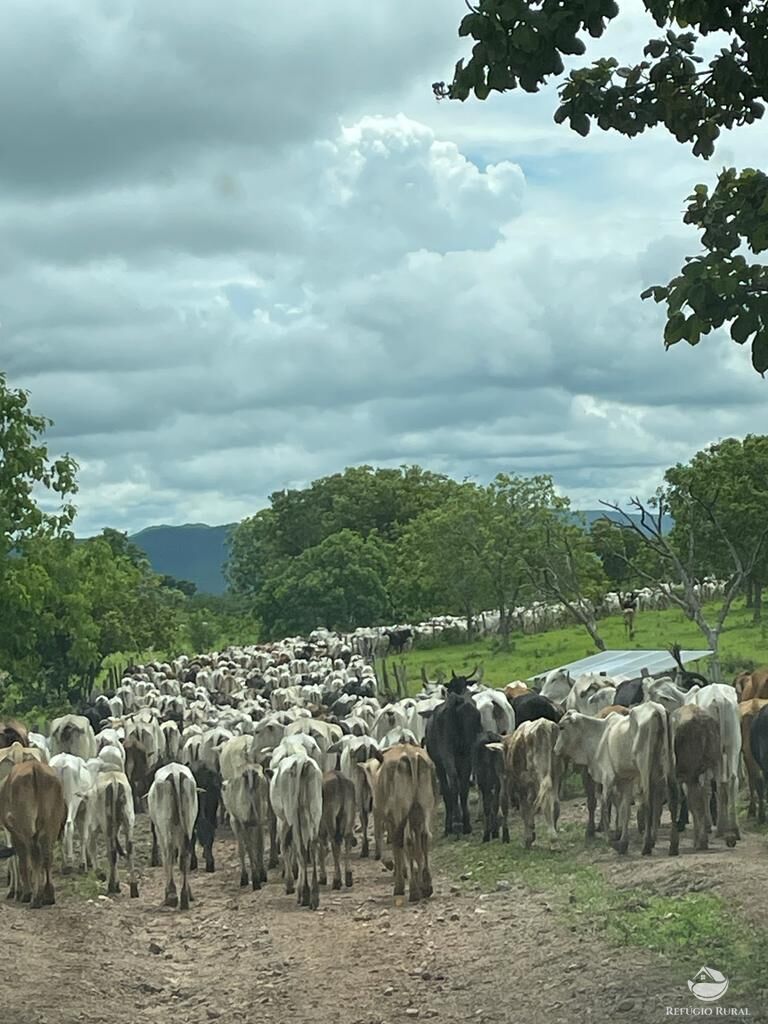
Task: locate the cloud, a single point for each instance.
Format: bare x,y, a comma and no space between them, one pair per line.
242,251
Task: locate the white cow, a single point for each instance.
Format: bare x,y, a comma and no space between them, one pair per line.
720,701
72,734
109,810
245,795
496,713
296,794
76,781
172,803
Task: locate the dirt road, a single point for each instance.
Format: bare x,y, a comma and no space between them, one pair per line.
256,957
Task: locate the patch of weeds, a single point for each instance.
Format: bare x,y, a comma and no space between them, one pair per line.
84,887
690,930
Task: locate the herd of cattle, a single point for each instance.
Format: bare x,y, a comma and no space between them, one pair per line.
535,618
296,750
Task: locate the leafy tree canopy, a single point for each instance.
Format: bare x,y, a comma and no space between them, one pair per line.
522,43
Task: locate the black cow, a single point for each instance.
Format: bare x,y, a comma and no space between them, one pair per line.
208,797
758,742
452,729
398,638
529,707
487,767
629,693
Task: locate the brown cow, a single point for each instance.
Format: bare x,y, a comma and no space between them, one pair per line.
748,710
696,744
751,685
404,796
33,810
9,756
612,709
336,826
531,776
12,731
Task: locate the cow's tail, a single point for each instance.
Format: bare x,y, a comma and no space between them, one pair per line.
722,711
251,780
546,798
179,812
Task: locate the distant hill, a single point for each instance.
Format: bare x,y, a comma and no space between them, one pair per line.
193,552
591,514
198,552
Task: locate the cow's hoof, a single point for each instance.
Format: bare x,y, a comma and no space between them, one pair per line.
49,898
36,903
171,900
101,875
348,879
674,851
255,884
263,875
364,853
486,837
184,900
426,890
620,845
26,897
730,842
210,868
414,896
505,835
336,884
66,869
134,887
647,849
243,879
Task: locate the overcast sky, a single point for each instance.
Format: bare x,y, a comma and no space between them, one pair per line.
243,247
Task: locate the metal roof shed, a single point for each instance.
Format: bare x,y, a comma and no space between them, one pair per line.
621,665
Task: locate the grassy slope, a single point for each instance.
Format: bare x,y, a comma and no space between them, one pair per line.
741,644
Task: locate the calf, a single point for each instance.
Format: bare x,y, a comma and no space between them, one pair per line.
209,795
172,805
34,812
758,744
355,753
531,777
486,766
109,809
404,802
336,826
245,796
748,712
696,749
296,795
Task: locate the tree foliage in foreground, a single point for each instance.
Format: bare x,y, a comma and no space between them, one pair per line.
522,43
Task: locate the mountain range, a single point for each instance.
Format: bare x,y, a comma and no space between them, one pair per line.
197,552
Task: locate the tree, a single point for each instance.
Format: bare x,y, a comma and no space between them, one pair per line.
564,566
340,584
523,42
438,567
733,474
364,500
26,468
679,559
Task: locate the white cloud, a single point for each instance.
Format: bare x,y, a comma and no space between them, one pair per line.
241,252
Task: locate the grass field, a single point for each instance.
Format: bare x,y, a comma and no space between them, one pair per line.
742,645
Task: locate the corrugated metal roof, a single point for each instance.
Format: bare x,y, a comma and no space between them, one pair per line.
622,665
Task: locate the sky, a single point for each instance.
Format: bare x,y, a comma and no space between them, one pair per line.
243,249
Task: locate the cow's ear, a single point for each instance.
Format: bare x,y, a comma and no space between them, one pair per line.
425,712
